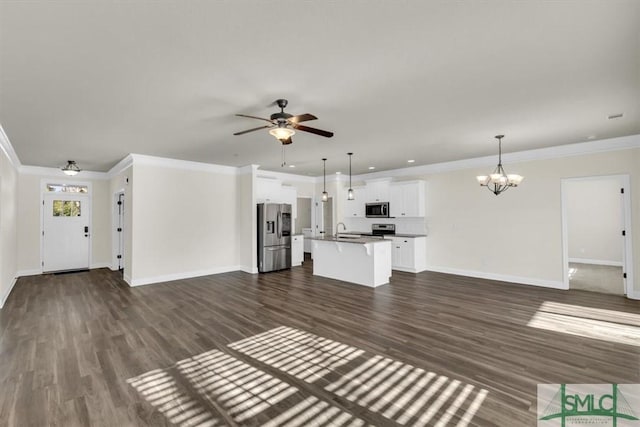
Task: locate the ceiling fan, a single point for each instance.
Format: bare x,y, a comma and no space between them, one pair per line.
283,125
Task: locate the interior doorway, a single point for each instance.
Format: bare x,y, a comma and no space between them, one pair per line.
118,231
304,221
324,217
66,222
597,234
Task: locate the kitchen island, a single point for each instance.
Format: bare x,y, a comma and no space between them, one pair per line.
361,260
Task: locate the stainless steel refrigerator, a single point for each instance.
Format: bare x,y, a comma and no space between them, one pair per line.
274,237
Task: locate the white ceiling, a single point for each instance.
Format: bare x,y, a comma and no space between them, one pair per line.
395,80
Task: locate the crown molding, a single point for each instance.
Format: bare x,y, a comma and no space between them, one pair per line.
55,172
121,166
141,159
246,170
560,151
7,149
283,176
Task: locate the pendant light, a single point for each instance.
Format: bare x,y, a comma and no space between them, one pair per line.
499,181
71,168
325,195
350,195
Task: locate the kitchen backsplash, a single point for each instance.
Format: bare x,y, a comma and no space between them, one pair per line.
403,225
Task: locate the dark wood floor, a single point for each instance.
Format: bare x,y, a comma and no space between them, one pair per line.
288,348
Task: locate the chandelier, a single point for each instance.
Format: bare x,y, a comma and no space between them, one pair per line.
499,181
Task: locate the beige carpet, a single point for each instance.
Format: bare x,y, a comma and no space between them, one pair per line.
596,278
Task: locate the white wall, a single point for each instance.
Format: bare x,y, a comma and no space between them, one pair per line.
247,221
184,223
8,226
594,220
516,235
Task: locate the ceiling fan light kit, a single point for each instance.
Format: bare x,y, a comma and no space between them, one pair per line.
282,133
499,181
284,125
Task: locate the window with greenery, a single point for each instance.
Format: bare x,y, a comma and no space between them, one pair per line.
66,208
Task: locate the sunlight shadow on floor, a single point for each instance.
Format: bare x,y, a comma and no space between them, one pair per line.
197,390
607,325
396,390
301,354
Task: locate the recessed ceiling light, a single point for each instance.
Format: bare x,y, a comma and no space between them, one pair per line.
411,161
292,166
615,116
371,168
591,137
338,173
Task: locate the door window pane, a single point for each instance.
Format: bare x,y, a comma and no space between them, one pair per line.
66,208
64,188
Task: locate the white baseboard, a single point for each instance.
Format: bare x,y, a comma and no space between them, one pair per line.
32,272
545,283
35,272
409,270
634,295
596,262
179,276
248,269
6,295
100,265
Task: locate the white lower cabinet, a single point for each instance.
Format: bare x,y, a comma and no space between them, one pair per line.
408,253
297,250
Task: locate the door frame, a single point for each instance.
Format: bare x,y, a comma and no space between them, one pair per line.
627,262
88,197
115,236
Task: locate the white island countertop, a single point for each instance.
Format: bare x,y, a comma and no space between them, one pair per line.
361,260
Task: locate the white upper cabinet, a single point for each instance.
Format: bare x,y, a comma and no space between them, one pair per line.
377,191
290,195
272,191
407,199
268,190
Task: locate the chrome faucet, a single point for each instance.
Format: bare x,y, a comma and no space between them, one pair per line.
338,228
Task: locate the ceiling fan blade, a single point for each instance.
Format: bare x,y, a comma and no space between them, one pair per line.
251,130
302,118
254,117
313,130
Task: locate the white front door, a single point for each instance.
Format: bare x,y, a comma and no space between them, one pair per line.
66,235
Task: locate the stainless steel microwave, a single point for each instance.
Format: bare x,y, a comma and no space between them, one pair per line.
377,210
